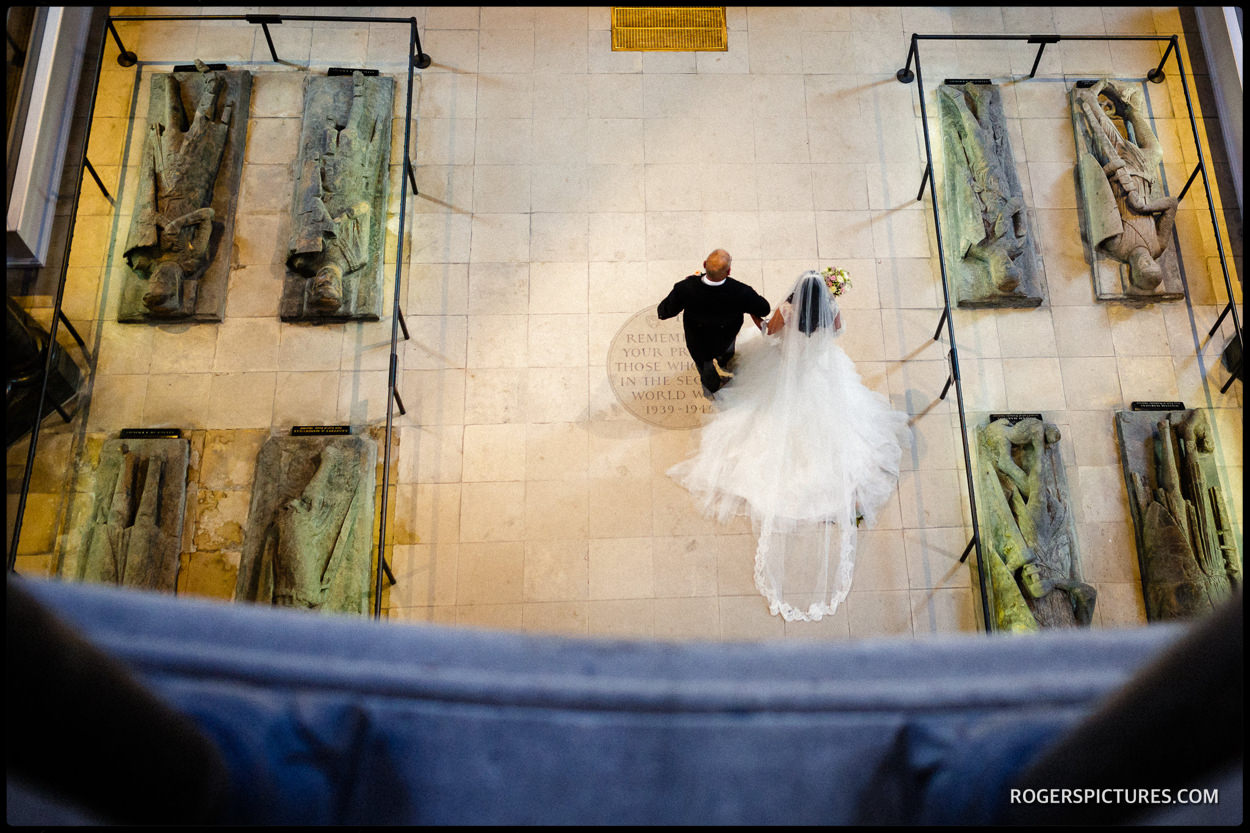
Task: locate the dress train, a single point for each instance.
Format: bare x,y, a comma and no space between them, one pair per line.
800,445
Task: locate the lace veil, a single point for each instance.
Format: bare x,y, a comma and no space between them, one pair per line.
805,556
811,307
800,445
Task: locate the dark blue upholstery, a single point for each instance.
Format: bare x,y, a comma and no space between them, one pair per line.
325,719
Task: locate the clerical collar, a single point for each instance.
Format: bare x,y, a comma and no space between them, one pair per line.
714,283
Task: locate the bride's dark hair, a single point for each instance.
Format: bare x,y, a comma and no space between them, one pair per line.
810,302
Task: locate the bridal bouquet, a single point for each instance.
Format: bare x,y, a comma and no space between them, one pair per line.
836,279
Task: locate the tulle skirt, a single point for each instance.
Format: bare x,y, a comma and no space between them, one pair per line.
803,447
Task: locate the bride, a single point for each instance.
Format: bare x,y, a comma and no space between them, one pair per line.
804,448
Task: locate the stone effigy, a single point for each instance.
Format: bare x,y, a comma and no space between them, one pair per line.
179,243
990,251
1186,545
1027,528
134,535
1126,219
338,218
309,537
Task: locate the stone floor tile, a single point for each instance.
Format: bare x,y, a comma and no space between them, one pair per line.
557,570
621,568
746,619
876,613
944,611
622,618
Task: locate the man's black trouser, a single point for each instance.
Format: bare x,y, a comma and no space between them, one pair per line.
713,381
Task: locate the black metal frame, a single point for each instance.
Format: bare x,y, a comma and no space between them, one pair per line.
417,58
58,316
1155,75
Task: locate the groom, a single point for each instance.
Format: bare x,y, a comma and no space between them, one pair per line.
714,304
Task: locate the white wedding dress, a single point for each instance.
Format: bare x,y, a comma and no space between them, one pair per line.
803,447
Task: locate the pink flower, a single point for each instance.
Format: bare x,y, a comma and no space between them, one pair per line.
836,279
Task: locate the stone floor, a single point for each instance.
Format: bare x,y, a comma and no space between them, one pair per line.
563,188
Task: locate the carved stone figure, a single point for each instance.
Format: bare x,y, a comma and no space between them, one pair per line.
309,536
1186,544
1028,532
134,537
178,247
1126,216
339,213
990,249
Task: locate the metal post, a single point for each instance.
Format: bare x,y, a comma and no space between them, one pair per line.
1231,378
125,58
905,75
950,373
61,412
941,322
264,20
1156,75
1227,309
1189,182
1206,184
73,333
419,59
967,549
924,179
396,315
269,40
87,164
391,380
1041,41
954,357
412,177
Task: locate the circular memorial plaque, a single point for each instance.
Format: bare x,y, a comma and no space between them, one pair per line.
652,375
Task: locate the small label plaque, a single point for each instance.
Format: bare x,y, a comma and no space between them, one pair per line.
320,430
194,68
349,71
151,433
1014,418
1158,406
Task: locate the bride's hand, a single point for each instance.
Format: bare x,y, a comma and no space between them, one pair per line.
776,323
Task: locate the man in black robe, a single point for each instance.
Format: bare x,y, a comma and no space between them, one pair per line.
714,304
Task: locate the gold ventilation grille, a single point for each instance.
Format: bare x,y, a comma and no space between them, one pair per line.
669,29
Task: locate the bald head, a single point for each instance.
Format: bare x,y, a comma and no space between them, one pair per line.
717,265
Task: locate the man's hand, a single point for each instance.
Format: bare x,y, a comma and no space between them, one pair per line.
776,322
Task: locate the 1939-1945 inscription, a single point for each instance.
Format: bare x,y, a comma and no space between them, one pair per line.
652,375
